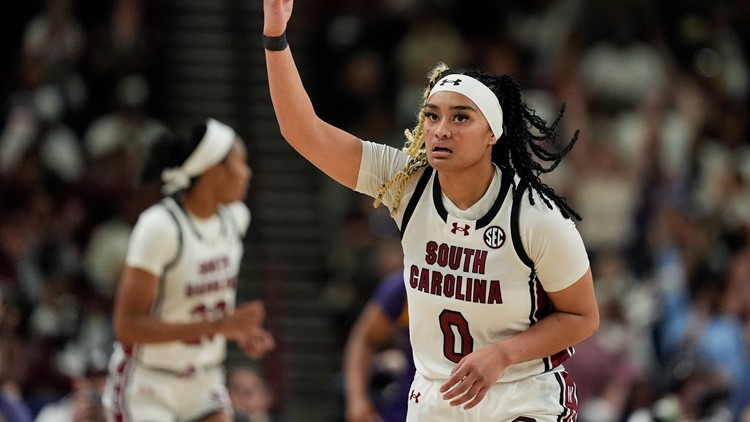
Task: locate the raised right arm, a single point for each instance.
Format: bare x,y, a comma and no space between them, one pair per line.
330,149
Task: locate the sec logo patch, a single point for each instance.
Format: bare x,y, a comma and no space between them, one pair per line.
494,237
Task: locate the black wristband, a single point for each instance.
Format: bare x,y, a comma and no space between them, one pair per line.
275,43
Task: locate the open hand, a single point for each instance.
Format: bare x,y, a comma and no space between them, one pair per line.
246,317
256,343
473,377
276,14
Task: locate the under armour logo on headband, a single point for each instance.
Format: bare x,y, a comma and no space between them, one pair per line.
478,92
455,82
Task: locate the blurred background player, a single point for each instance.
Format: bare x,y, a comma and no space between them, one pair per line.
378,364
175,304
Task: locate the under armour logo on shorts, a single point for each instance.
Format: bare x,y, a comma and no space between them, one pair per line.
455,82
414,395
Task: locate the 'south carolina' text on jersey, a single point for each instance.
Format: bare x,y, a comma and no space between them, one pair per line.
447,284
213,278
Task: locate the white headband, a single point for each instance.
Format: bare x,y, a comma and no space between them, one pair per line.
211,150
477,92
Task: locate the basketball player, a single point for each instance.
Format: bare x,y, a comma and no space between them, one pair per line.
498,282
383,321
175,305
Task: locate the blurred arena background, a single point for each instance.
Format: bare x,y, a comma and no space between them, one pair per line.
661,176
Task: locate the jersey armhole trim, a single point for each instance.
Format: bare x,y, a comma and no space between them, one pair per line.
177,224
515,229
226,214
418,191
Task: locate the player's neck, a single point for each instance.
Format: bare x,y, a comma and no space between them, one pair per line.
464,190
199,205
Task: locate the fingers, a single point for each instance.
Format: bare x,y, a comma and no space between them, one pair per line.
257,343
466,391
458,374
464,388
252,306
276,13
455,386
246,316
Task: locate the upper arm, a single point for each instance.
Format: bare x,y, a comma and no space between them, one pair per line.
136,293
378,327
561,261
335,152
153,244
578,299
154,241
554,245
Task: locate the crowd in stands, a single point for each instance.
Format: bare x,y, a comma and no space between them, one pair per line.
661,175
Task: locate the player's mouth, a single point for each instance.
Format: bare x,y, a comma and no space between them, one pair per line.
441,150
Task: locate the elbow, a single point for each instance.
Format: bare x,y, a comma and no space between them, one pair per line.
122,331
121,334
296,129
593,324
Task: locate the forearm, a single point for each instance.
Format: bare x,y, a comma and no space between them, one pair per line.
551,334
357,357
293,107
145,329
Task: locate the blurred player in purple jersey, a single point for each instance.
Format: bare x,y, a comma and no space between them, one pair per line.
382,323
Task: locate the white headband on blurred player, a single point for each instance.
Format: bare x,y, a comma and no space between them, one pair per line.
477,92
212,148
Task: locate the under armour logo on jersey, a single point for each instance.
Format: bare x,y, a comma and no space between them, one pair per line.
455,82
464,229
414,395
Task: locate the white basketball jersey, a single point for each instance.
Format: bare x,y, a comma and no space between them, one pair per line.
471,280
200,284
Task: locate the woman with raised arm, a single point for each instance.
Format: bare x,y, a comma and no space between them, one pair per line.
498,281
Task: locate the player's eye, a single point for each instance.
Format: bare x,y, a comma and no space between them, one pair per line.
429,115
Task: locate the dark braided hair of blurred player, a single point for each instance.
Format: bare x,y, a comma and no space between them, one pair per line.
514,149
170,150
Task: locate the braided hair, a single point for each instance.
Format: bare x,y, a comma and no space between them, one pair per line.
519,150
170,150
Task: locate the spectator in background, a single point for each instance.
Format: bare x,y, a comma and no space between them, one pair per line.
84,402
251,396
116,145
12,366
55,42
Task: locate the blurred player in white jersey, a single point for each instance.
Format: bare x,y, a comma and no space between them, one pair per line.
498,282
175,306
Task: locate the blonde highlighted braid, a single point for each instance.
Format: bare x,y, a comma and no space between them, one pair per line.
414,147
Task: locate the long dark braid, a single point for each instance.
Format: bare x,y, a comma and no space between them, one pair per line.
514,149
520,142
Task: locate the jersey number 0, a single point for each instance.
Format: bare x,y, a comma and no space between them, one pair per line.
457,340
